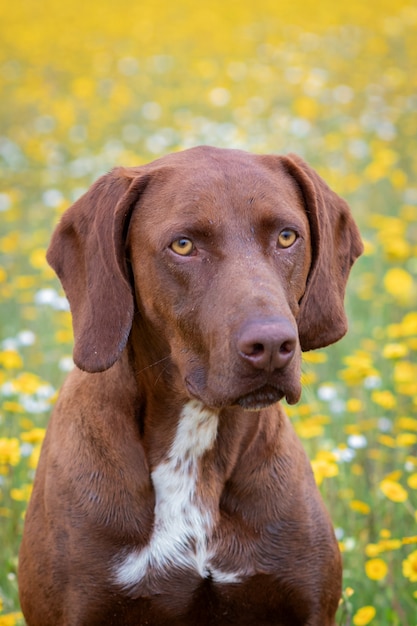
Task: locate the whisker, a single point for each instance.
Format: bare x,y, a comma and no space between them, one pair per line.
159,375
153,364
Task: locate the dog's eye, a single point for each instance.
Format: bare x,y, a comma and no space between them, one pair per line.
182,246
286,238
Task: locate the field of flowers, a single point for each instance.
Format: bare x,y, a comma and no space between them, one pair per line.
86,86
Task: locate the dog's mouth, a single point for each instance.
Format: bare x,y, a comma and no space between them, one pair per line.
260,398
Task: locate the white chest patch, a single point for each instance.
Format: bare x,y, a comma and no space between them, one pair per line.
183,522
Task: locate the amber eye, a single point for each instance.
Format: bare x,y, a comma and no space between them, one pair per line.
182,246
286,238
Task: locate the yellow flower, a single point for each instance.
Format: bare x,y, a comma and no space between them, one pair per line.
34,457
64,336
399,283
36,435
359,359
398,179
387,225
412,481
21,494
391,235
409,324
412,343
388,545
298,411
394,350
364,616
393,490
83,87
376,569
324,466
405,372
12,406
306,107
406,440
10,619
10,243
359,367
354,405
372,550
407,423
387,440
314,357
395,475
10,360
309,429
360,507
9,451
38,259
376,170
409,540
27,383
312,427
386,399
25,282
396,249
410,567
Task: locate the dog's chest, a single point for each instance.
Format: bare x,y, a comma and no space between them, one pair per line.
186,509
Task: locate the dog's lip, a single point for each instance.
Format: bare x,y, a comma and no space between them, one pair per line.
260,398
255,400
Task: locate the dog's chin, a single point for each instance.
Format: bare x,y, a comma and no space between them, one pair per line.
266,396
258,399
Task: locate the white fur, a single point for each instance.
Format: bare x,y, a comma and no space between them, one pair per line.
183,523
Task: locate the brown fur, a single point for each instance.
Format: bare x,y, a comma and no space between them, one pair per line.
152,330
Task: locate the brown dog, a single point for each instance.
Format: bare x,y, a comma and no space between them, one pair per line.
171,488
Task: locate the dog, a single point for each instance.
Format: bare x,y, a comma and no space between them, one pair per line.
171,488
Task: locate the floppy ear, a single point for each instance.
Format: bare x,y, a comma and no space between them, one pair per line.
336,244
87,252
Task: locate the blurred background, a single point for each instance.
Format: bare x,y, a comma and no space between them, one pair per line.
86,86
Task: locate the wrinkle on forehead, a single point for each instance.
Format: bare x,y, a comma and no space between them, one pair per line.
202,199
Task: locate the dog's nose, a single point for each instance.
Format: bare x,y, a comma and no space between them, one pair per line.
268,344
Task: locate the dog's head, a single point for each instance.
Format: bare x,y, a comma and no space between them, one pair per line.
231,262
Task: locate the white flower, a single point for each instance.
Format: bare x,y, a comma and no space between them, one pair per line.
357,441
326,393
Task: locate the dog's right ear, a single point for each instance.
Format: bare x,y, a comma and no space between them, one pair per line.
87,252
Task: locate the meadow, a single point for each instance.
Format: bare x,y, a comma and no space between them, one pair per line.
87,86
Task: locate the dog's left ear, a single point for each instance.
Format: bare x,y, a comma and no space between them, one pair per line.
336,244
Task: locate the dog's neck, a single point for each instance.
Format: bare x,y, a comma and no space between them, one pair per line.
192,452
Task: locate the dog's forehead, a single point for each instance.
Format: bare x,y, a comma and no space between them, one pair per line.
220,183
204,167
